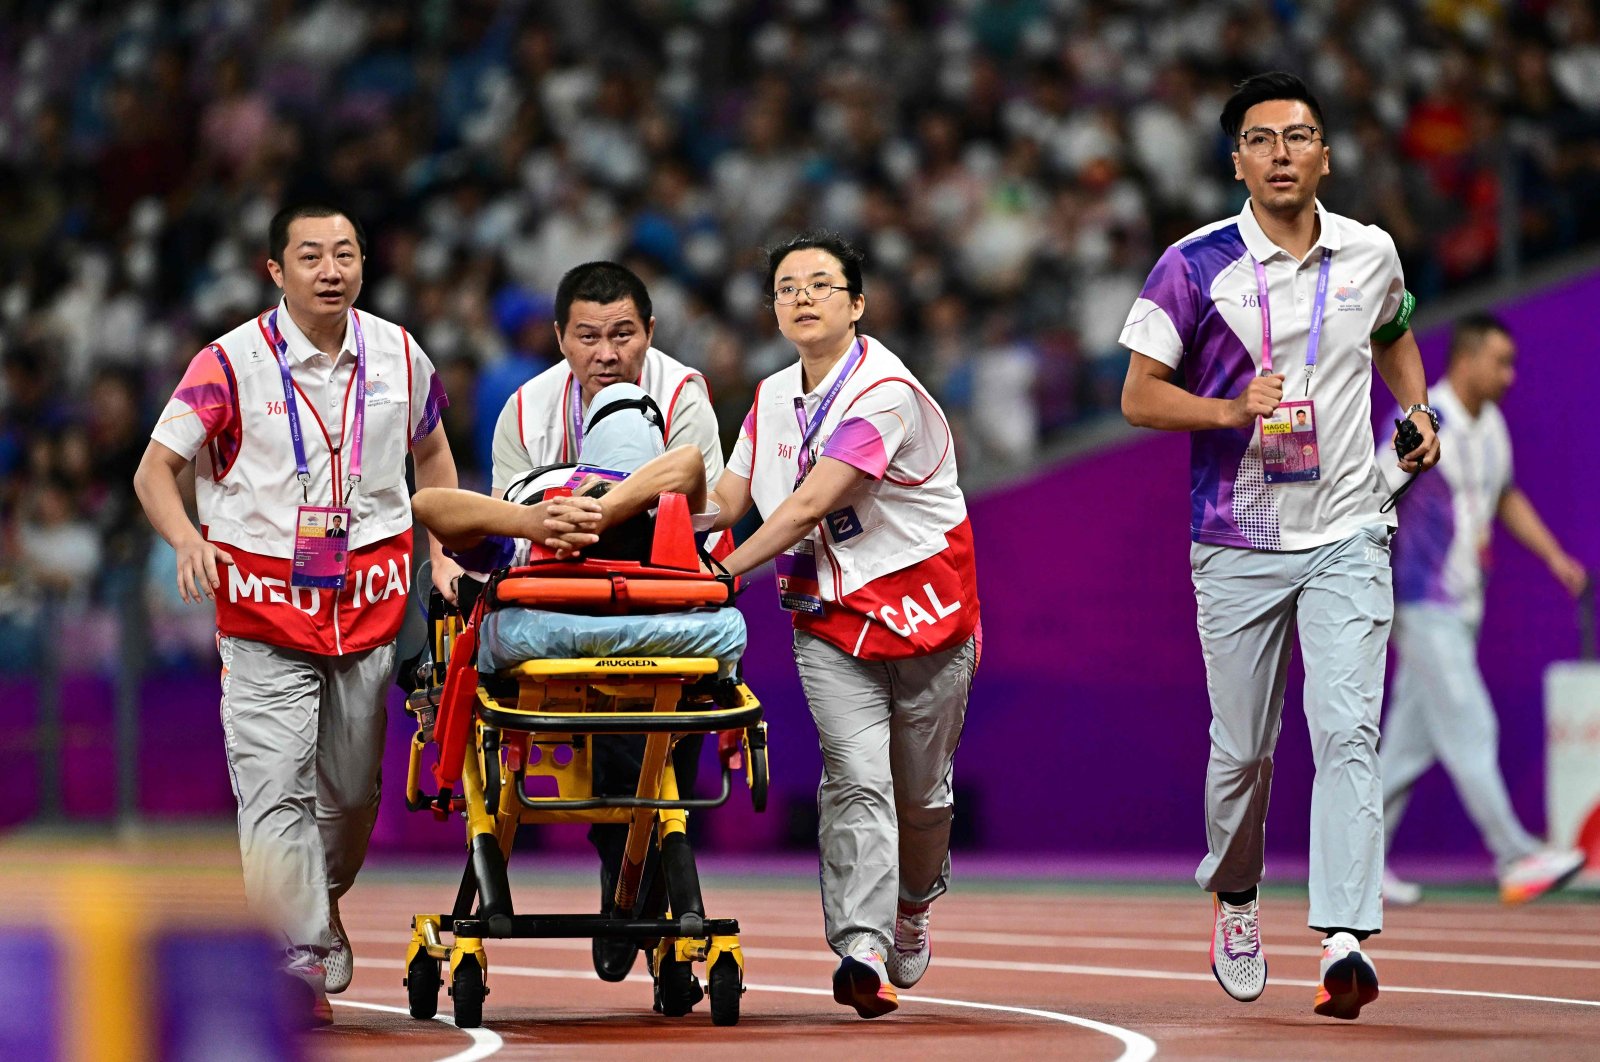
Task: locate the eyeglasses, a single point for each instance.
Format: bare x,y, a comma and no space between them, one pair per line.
816,291
1297,139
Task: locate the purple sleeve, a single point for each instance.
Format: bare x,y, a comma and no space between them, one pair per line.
860,445
1171,286
432,407
495,551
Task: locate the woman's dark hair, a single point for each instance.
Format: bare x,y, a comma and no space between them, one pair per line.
604,283
1259,89
850,258
278,230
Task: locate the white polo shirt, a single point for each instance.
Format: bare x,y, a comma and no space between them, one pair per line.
1448,514
1199,313
535,426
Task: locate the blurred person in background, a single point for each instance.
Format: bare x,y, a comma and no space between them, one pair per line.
1439,706
305,412
1280,307
604,324
849,462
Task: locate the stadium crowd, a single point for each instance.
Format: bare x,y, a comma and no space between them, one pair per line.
1011,166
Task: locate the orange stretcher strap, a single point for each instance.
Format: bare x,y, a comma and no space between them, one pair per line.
616,592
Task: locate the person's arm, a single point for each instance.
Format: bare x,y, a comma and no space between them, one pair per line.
156,484
825,489
573,523
1150,399
732,498
1399,362
436,468
1525,525
460,519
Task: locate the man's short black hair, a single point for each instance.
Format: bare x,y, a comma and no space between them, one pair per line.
604,283
1472,330
278,230
849,256
1276,85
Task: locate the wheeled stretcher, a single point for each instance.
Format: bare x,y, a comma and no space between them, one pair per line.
509,730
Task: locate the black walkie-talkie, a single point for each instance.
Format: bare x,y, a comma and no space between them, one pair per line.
1407,437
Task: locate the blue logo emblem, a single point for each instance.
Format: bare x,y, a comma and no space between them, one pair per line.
843,524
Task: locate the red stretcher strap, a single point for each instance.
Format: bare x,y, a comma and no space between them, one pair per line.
453,726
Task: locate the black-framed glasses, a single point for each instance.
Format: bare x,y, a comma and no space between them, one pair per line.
816,291
1297,139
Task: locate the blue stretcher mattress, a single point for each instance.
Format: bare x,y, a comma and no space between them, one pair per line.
510,636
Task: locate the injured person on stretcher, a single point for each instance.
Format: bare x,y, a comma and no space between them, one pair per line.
605,520
622,475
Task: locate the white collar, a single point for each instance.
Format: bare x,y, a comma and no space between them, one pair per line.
301,349
1260,245
833,374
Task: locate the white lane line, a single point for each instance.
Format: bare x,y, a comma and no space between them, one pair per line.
1136,1047
1071,970
1182,932
484,1042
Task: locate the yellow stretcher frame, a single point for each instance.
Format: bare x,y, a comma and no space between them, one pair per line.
562,704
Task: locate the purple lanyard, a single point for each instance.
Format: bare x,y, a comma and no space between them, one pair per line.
280,349
575,413
809,431
1315,339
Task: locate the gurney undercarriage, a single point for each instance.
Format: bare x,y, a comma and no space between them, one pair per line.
515,746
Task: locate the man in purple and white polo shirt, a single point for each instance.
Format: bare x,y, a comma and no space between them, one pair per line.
1439,709
1284,310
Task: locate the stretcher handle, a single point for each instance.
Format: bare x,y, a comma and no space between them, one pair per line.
680,722
533,803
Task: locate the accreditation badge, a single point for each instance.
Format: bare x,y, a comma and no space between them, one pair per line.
798,589
1289,444
321,547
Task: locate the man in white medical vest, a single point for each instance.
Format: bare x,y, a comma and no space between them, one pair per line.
298,423
850,462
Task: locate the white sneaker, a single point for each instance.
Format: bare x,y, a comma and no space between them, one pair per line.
307,974
1349,980
908,961
860,982
1545,870
341,961
1398,893
1236,956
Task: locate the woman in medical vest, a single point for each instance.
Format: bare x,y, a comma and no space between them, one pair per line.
851,464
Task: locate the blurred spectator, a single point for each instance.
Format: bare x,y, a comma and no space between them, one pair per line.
1010,165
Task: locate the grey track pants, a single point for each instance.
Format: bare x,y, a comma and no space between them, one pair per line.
304,735
1440,711
1251,602
889,731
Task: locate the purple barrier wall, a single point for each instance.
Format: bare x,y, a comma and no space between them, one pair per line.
1087,728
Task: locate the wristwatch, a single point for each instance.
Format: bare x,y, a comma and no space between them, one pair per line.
1433,414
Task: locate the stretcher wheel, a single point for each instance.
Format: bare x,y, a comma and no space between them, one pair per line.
422,986
467,989
724,984
758,777
677,988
